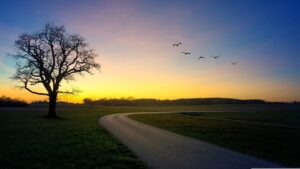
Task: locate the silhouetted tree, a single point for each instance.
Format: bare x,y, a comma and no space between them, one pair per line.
49,57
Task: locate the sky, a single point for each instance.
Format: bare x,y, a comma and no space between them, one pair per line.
134,38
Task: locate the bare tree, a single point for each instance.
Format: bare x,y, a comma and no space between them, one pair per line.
49,57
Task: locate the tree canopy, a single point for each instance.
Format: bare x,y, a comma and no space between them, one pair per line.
51,56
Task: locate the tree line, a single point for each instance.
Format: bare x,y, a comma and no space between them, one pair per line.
167,102
9,102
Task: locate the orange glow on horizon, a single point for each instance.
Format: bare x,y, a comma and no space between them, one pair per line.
100,86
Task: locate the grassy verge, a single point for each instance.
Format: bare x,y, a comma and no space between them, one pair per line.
29,141
269,135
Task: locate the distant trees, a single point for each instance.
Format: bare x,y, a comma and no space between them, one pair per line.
50,56
9,102
175,102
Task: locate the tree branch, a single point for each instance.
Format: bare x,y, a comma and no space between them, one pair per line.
38,93
73,92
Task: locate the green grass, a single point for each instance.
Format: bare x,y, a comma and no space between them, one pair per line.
268,135
29,141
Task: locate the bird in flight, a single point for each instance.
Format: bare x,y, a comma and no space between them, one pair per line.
234,63
177,44
186,53
201,57
215,57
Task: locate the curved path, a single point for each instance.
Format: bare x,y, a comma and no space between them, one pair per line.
161,149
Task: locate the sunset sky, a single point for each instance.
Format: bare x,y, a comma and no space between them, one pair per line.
134,38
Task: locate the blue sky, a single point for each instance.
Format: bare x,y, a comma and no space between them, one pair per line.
262,35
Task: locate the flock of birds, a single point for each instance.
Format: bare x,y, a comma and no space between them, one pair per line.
200,57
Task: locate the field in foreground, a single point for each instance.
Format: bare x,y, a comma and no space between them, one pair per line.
29,141
76,140
268,135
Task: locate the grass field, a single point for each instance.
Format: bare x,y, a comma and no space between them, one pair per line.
75,141
269,135
29,141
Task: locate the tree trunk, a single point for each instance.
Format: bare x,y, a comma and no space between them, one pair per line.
52,105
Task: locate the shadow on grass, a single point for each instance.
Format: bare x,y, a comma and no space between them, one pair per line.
54,118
